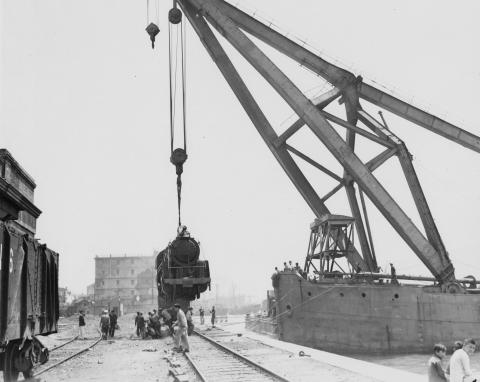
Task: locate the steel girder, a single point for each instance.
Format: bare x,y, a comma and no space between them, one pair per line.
228,20
342,78
419,117
261,123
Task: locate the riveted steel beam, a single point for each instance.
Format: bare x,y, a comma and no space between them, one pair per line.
331,139
419,117
341,78
257,117
320,102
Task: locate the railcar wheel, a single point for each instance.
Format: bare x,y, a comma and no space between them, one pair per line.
10,373
28,374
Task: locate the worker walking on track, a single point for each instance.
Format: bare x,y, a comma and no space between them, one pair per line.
190,325
104,324
180,331
113,323
81,326
141,326
213,317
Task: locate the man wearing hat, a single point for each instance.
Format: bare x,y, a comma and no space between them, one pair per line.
81,325
180,330
104,324
113,323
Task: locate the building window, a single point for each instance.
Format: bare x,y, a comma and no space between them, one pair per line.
103,283
132,272
118,282
132,282
132,292
118,271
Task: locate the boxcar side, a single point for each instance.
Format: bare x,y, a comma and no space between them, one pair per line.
29,303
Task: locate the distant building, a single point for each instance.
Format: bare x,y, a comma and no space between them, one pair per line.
79,304
91,291
62,295
16,195
125,283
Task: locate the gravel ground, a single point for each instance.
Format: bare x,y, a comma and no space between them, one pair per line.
125,358
284,363
128,358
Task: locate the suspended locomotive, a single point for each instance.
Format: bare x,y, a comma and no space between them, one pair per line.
181,276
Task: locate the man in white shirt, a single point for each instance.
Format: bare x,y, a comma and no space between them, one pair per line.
460,362
180,331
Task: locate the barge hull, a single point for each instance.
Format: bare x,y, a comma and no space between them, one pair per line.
364,318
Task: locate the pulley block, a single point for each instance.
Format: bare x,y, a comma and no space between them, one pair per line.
175,16
178,158
152,30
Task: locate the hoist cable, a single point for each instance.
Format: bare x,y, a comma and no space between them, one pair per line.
175,79
148,8
179,198
184,86
177,36
170,74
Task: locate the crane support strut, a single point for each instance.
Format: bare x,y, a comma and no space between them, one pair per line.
260,121
233,25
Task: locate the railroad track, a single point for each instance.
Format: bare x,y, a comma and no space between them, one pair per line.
65,352
215,362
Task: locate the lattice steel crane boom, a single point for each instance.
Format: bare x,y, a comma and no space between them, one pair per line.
234,24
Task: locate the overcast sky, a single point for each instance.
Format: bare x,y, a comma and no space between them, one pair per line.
85,109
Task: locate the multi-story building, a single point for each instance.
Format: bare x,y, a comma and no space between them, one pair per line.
125,283
16,195
91,291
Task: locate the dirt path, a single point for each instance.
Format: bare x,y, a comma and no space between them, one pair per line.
124,358
128,358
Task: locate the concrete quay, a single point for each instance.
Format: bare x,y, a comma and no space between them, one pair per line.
318,364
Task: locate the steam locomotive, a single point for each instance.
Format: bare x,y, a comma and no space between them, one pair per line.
181,276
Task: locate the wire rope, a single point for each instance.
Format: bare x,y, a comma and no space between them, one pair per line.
177,81
184,86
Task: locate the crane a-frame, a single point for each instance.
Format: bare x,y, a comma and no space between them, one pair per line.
234,24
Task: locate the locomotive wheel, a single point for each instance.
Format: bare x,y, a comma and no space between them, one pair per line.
10,373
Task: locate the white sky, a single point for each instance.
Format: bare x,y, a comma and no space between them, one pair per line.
84,108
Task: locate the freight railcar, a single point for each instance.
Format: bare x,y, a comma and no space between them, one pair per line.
29,303
181,276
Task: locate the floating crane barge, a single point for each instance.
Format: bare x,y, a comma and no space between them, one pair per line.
339,300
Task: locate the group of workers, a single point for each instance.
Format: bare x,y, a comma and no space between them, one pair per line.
150,326
296,268
179,324
108,324
291,267
458,368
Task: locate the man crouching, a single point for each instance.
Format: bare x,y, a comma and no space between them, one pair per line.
180,330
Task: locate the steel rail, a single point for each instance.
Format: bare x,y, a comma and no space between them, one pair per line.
67,358
237,355
195,366
62,345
